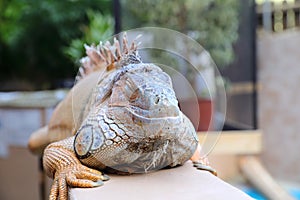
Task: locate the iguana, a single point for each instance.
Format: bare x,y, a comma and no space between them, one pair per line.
122,116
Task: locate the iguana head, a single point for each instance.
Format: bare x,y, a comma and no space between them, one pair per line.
134,120
145,91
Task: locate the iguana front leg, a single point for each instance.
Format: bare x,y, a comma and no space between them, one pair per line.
61,164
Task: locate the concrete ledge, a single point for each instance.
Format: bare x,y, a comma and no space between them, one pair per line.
185,182
234,142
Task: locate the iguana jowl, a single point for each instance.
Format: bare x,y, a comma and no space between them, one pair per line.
121,117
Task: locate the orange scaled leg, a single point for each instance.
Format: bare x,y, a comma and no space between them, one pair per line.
61,164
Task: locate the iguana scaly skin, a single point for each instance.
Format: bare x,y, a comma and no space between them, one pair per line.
122,117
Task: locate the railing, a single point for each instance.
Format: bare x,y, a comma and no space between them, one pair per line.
40,101
279,16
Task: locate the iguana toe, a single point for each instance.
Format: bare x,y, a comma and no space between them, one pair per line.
201,162
61,164
202,166
75,176
54,190
59,189
84,178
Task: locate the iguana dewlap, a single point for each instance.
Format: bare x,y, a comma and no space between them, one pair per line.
122,117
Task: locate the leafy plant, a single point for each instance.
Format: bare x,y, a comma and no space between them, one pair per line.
33,35
99,28
213,23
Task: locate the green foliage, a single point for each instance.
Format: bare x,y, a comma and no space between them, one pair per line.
100,28
213,23
33,35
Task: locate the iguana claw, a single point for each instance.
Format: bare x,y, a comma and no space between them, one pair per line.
201,162
75,176
201,166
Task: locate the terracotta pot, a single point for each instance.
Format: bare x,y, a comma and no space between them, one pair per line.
199,112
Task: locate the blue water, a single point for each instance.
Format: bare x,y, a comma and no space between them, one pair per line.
258,196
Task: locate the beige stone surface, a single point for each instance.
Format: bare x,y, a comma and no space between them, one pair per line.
279,102
185,182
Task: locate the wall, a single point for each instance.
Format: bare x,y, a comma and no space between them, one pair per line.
20,176
279,102
19,169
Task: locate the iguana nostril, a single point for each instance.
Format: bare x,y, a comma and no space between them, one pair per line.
157,100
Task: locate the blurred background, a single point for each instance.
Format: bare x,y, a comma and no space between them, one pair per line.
254,44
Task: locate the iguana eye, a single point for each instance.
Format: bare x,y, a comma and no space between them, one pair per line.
134,96
132,91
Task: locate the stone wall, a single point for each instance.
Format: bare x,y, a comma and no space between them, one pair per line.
279,102
19,168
